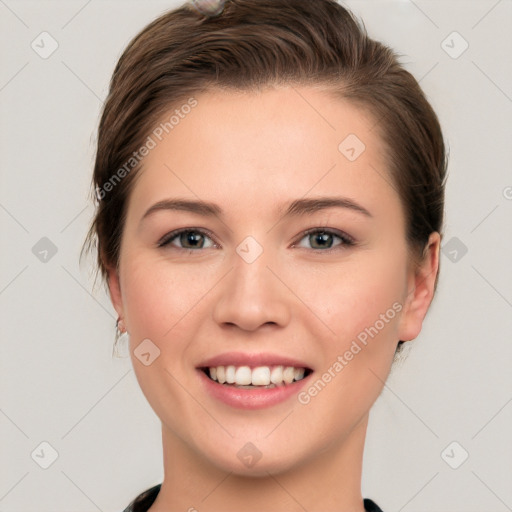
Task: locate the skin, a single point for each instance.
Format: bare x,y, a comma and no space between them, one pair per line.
249,153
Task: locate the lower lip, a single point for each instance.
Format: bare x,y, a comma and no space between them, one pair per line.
251,398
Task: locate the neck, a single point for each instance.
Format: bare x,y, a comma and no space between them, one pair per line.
328,482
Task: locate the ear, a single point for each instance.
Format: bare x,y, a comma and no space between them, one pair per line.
421,287
114,287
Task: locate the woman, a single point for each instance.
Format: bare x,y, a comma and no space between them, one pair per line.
270,188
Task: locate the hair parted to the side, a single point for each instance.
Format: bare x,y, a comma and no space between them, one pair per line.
250,45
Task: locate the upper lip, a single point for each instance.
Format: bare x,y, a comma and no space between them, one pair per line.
252,360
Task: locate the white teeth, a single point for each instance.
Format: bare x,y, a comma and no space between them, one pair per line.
288,374
230,374
260,376
298,373
221,374
244,376
276,376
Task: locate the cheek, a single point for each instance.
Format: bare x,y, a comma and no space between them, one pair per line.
362,306
144,300
158,298
355,295
162,304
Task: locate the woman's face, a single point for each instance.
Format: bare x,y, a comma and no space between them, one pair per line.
298,259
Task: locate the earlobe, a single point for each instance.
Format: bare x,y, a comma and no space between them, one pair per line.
421,287
114,287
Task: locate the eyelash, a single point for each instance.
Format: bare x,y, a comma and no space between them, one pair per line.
347,241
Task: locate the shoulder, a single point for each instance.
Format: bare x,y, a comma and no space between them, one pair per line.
144,500
371,506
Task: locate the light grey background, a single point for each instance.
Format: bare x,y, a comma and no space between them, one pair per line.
58,381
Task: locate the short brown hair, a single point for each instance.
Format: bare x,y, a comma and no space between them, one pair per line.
250,45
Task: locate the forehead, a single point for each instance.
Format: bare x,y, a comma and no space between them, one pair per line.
263,148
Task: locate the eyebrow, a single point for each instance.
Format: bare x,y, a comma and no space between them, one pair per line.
295,208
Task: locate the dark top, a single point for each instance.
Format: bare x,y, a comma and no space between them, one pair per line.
144,500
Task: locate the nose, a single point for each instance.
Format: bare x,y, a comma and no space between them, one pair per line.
252,296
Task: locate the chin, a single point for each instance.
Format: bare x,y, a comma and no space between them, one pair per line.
251,459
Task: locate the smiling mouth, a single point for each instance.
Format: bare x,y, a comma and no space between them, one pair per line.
260,377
